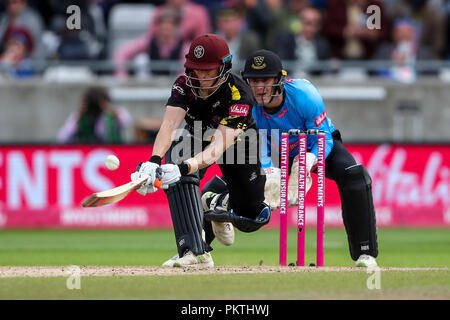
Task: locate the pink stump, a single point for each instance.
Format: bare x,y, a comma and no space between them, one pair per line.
284,196
320,197
301,213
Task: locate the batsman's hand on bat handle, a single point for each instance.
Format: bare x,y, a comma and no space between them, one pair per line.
158,178
153,170
171,174
158,175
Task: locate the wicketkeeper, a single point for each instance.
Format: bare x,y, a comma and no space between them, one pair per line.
216,106
284,104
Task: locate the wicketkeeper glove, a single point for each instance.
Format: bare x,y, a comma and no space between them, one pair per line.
272,187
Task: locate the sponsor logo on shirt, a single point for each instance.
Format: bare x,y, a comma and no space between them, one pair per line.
320,119
239,110
216,104
179,89
292,146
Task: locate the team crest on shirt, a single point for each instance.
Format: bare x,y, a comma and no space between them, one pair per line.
258,63
199,51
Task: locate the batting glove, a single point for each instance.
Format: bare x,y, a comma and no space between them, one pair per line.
154,172
171,174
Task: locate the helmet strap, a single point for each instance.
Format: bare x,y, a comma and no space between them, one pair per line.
277,88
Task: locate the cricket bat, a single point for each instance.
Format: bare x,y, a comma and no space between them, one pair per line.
113,195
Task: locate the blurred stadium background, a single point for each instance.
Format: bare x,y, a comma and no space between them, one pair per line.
69,97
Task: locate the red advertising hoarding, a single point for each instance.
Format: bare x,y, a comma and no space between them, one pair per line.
43,186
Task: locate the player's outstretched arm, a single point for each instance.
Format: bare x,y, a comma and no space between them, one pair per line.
172,120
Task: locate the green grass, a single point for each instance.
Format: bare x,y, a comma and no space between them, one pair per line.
330,285
397,248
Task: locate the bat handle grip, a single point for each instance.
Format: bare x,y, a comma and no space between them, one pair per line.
158,179
158,183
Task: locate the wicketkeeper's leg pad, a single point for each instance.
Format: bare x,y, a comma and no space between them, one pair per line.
358,211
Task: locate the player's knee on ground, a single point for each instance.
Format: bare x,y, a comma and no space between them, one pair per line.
358,211
187,215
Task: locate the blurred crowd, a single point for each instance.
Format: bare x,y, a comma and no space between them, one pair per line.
303,31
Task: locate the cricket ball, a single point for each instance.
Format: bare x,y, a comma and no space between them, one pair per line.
112,162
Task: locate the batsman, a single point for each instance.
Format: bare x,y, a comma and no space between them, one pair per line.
282,104
216,106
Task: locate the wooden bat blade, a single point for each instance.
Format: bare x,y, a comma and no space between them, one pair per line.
113,195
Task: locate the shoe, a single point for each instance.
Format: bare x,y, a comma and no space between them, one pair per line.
366,261
192,261
169,263
224,232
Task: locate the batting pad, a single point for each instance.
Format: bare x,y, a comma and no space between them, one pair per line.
187,215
